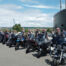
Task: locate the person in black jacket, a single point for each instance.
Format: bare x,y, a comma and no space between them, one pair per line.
58,36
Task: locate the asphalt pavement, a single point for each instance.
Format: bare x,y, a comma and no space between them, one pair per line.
10,57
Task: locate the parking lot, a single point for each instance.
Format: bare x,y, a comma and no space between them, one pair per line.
10,57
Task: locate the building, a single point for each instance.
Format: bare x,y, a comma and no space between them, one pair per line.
60,19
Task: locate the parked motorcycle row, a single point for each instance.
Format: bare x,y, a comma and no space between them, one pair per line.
38,42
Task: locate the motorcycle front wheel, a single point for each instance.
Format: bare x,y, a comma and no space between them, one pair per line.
28,48
55,62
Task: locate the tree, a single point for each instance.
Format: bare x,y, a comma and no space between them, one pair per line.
48,30
17,27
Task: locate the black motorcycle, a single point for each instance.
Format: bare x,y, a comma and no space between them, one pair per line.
58,53
43,48
1,37
11,41
20,42
5,38
31,45
42,45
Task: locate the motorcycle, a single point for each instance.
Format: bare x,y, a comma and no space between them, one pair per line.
11,41
42,45
20,42
1,37
31,45
43,48
58,53
5,38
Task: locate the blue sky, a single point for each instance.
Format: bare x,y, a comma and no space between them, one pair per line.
28,13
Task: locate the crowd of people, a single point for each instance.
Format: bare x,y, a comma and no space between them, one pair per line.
37,40
40,37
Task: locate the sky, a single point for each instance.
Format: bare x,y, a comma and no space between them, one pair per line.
28,13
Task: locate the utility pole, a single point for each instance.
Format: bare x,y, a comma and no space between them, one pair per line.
13,24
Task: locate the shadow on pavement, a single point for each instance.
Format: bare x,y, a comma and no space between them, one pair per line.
48,62
51,63
36,55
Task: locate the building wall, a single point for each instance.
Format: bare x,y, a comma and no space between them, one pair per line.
60,19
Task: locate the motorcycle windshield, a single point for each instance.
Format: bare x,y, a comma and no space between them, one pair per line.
18,40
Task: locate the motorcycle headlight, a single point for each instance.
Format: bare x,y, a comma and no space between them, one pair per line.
52,48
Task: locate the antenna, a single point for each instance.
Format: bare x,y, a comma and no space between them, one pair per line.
13,21
65,4
60,5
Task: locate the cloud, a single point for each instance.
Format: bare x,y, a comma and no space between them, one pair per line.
28,18
11,6
29,1
41,6
26,0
